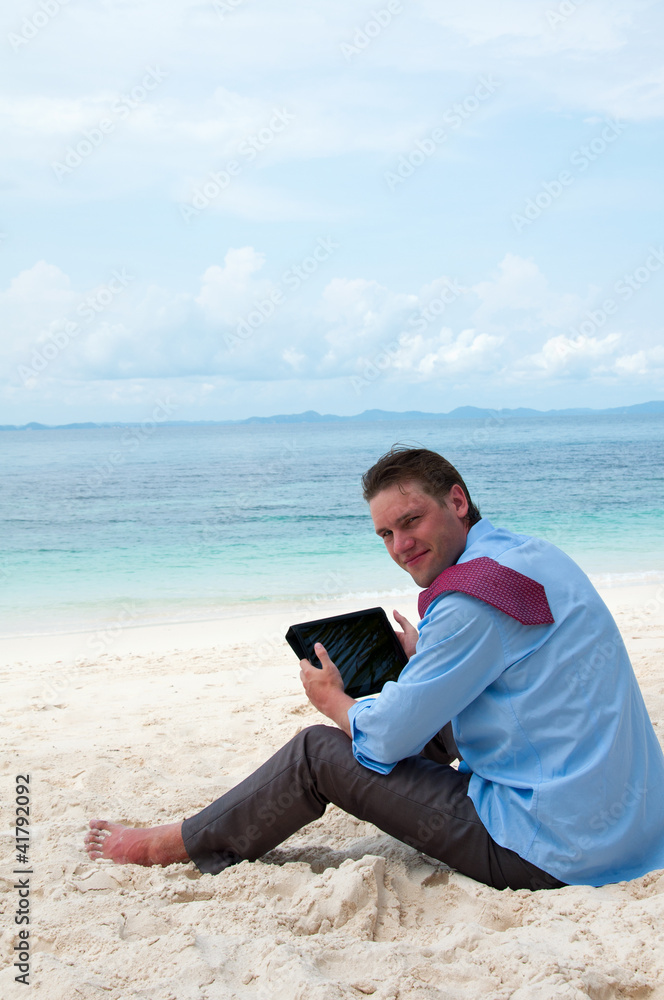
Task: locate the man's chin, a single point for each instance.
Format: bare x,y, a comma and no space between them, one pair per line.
422,577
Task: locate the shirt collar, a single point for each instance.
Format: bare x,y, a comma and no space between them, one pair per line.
476,533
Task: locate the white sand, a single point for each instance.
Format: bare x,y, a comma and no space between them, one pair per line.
168,718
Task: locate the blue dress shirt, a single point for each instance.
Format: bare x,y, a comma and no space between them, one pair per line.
566,768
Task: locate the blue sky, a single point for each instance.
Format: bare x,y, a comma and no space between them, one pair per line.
238,207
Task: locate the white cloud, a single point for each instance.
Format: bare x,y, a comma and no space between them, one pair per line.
189,124
538,27
293,358
646,363
481,21
220,82
442,355
352,328
360,310
519,284
574,356
39,289
229,290
33,308
519,297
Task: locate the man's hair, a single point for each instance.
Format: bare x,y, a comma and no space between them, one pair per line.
433,473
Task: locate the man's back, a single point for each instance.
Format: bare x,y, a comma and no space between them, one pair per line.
566,768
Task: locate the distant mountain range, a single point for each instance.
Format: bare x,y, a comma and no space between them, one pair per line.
312,417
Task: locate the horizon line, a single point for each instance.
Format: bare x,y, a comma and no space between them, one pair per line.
373,415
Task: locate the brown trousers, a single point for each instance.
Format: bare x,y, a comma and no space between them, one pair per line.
423,802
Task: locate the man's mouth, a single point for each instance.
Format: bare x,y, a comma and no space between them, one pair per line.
413,559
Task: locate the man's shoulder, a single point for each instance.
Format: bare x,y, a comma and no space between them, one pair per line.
485,539
451,613
566,585
528,554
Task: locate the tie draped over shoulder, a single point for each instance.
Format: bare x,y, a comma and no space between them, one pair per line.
503,588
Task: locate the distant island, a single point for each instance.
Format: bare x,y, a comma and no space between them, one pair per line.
312,417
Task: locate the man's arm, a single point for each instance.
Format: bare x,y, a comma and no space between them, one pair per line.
325,689
460,653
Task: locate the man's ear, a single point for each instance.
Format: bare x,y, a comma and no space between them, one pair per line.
457,498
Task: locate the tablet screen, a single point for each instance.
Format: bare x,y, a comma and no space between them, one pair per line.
363,645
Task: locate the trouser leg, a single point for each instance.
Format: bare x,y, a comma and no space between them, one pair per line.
421,802
442,748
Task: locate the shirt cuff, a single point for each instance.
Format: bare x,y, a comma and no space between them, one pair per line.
372,765
359,738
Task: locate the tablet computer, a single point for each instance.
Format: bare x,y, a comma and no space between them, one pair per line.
362,644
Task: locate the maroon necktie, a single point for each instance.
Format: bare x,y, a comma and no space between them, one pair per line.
501,587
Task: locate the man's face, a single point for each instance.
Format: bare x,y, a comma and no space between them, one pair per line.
423,536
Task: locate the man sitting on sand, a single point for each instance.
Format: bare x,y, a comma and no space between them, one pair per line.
518,670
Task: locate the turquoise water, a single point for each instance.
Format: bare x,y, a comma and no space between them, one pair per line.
180,523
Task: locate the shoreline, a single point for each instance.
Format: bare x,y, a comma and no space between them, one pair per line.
267,624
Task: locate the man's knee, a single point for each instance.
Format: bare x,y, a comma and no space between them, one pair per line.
322,744
307,759
321,738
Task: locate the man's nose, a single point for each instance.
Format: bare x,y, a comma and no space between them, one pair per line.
402,541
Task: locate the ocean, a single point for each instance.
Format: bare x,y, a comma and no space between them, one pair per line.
183,523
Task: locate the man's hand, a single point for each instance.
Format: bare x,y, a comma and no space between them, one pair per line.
408,637
325,689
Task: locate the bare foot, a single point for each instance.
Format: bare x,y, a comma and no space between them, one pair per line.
154,845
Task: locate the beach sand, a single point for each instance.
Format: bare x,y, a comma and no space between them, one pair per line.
162,721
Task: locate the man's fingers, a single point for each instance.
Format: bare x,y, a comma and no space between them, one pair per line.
330,669
403,621
322,653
